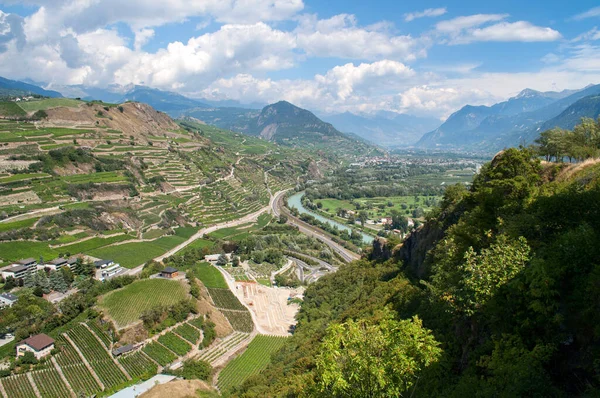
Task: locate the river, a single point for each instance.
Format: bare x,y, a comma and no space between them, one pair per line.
296,201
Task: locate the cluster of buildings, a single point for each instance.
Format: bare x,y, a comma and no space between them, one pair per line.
105,269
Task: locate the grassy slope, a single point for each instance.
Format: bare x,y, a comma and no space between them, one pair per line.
127,304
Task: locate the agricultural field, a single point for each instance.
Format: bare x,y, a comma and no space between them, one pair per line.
125,305
216,351
97,356
36,105
159,353
174,343
50,384
379,207
188,332
75,371
137,364
18,386
240,321
256,357
225,299
197,322
209,276
101,333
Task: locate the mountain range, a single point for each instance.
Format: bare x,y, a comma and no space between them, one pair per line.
13,88
519,120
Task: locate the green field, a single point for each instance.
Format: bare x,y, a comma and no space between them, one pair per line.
130,255
11,109
209,275
21,177
7,226
126,305
256,357
379,206
36,105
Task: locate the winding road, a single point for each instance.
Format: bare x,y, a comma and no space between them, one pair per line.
310,230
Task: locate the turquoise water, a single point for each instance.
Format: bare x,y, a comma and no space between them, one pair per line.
296,201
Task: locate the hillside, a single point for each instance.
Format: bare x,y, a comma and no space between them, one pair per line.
495,291
506,124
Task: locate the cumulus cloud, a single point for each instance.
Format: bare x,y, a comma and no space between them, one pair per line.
340,36
430,12
11,29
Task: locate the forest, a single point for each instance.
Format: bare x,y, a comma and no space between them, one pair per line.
495,295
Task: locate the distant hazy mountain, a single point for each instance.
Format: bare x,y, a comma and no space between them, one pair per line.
165,101
586,107
388,129
17,88
512,122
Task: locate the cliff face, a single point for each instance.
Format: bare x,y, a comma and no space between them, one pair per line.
413,251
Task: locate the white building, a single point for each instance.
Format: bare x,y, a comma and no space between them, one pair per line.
56,264
7,300
40,344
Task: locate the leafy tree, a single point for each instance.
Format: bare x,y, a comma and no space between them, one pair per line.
222,260
363,216
196,370
378,358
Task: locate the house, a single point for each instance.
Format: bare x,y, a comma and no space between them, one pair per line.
169,272
7,300
17,272
386,220
103,263
123,350
111,270
40,344
56,264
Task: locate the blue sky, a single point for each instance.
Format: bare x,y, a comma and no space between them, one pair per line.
427,59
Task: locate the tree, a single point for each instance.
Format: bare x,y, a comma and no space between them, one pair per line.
196,370
57,282
222,260
283,219
9,283
363,216
376,358
235,261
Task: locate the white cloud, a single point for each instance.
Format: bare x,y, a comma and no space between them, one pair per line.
593,34
591,13
142,37
458,24
467,29
430,12
340,36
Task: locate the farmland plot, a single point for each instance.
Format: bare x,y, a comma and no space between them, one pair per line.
188,332
159,353
240,321
137,364
18,386
50,384
174,343
224,298
127,304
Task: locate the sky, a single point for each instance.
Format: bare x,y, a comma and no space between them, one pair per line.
425,58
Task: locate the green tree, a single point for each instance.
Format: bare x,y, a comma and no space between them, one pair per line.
222,260
378,358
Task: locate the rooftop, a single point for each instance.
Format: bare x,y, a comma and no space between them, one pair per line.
38,342
18,268
169,270
9,296
122,350
58,261
102,262
26,261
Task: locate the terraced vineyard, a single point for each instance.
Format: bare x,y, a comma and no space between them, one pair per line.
215,352
127,304
75,371
256,357
197,322
240,321
18,386
159,353
137,364
188,332
49,384
106,340
97,356
174,343
225,299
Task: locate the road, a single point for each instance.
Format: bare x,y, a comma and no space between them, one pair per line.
310,230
